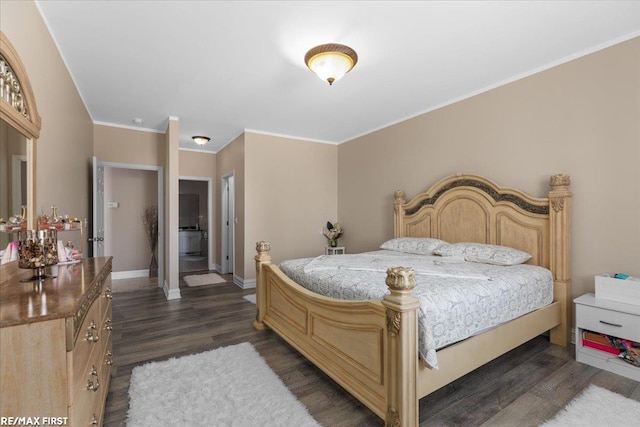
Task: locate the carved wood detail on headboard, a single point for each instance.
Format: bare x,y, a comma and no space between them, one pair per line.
470,208
492,191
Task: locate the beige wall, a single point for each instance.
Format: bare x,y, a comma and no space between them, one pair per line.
290,194
232,159
121,145
125,235
65,146
135,147
580,118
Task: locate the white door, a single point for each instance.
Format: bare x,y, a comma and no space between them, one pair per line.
98,208
228,222
231,223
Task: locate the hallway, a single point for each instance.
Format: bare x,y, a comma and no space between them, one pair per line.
191,263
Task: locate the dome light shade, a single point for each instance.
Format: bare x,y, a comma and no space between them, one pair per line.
331,61
201,140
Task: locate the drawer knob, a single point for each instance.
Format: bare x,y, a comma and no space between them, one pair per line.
94,420
108,294
107,325
94,371
109,358
91,335
91,386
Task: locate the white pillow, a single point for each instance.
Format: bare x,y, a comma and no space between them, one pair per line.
413,245
481,252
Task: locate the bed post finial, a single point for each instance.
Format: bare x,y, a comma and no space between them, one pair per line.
402,350
398,214
263,246
560,259
400,279
262,258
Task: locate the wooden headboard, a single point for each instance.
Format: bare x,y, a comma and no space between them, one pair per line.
469,208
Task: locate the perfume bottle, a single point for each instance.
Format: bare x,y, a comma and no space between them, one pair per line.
54,215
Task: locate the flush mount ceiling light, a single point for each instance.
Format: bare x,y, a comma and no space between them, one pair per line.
201,140
331,61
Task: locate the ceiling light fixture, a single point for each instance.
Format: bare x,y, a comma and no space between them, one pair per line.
331,61
201,140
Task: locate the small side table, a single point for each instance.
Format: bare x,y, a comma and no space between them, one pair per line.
610,318
336,250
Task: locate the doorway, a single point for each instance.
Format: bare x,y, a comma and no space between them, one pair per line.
227,223
195,224
121,191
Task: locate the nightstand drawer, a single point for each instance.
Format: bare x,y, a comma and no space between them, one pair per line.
609,322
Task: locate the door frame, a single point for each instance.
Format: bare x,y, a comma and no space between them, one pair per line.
17,183
209,181
161,237
227,205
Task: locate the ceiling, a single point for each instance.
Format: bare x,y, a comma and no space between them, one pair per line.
223,67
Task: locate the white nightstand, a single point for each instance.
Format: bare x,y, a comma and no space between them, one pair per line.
336,250
610,318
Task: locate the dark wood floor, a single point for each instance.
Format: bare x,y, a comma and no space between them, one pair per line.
522,388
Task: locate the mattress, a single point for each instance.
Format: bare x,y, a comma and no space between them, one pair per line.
458,299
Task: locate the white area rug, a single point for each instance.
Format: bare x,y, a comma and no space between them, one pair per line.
597,406
251,298
229,386
203,279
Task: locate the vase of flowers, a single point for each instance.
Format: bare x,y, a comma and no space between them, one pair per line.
332,232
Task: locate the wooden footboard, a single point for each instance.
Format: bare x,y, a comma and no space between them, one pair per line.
368,347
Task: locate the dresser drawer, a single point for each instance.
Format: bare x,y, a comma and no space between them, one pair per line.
107,293
88,342
88,395
617,324
105,379
106,328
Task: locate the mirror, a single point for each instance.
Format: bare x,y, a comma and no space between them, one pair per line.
189,209
20,126
13,175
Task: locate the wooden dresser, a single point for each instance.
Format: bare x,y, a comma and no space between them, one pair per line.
56,343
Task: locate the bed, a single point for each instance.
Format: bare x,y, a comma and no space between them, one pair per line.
371,347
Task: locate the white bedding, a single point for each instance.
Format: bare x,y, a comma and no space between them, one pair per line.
457,298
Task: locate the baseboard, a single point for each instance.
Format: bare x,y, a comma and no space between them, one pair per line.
218,268
244,284
131,274
171,293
